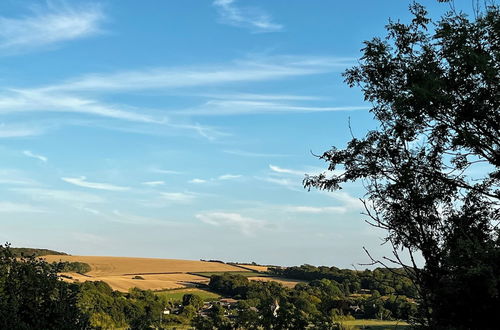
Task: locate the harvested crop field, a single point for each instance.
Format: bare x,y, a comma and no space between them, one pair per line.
103,266
255,268
148,282
154,274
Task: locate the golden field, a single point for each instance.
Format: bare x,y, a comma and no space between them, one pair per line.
256,268
157,274
285,282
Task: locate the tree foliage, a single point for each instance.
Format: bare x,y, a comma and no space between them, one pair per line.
432,167
33,297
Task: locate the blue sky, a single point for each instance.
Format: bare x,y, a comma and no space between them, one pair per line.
183,129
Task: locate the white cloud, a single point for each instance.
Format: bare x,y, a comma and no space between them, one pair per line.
196,180
59,195
223,177
253,18
32,155
246,225
177,197
257,69
290,184
229,177
13,131
15,177
163,171
252,154
278,169
94,185
348,200
31,100
49,26
316,210
267,97
10,207
154,183
238,107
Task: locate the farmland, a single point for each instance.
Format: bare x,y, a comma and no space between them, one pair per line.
123,273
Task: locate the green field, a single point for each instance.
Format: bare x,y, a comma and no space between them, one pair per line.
376,324
177,294
244,273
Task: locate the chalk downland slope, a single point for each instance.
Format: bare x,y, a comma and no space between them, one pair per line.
156,274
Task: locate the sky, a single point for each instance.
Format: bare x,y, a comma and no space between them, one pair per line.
183,129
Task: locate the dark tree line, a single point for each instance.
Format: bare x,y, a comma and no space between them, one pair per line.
385,281
319,304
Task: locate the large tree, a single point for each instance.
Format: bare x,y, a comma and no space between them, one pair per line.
32,296
432,167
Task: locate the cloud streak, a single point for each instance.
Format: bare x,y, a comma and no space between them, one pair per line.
28,153
81,181
252,18
242,107
316,210
49,26
178,197
248,70
154,183
245,225
59,195
278,169
10,207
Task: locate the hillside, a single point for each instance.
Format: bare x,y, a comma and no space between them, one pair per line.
123,273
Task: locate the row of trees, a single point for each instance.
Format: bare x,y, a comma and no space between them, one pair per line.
320,304
386,281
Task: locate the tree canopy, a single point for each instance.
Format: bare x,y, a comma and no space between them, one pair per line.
432,167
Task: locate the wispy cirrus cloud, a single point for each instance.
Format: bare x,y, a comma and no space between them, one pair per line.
196,180
65,196
154,183
163,171
246,70
79,98
16,178
11,207
81,181
49,25
244,153
242,107
229,176
253,18
245,225
15,131
33,100
30,154
266,97
278,169
223,177
179,197
315,209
